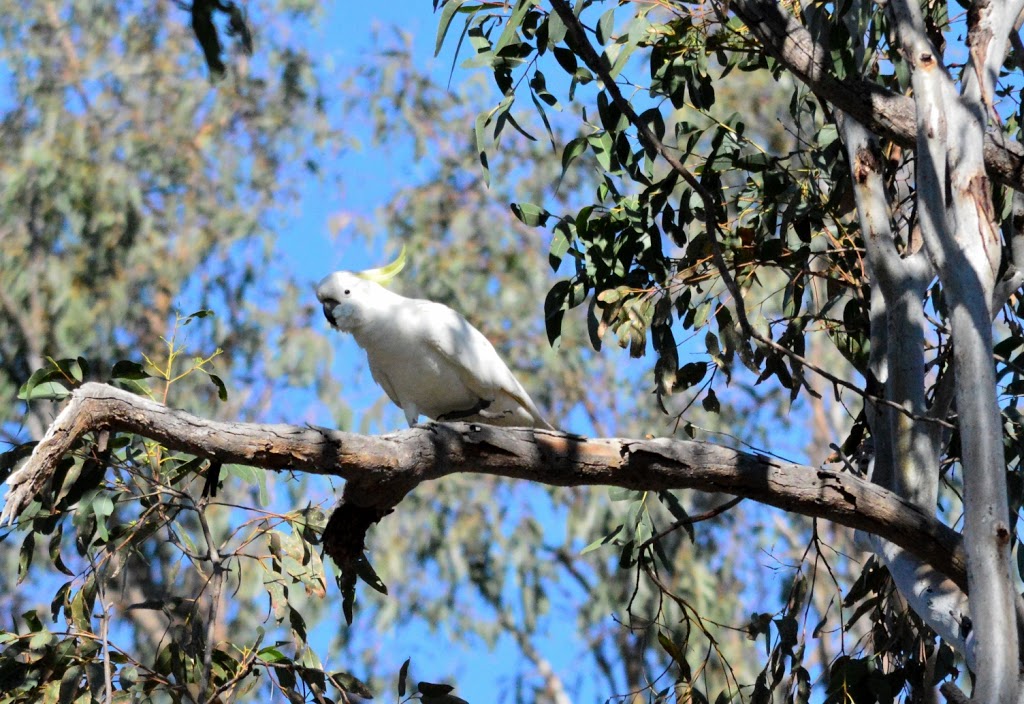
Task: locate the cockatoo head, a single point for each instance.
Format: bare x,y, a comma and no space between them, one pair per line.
348,299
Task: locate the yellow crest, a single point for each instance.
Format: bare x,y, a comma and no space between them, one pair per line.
384,274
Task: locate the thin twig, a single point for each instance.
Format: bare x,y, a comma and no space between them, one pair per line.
217,581
108,668
690,520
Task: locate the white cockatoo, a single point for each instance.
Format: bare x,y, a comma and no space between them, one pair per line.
428,358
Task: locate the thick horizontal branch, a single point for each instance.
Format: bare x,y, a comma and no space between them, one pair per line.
883,112
384,468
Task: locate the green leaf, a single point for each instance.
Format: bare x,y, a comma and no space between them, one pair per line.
611,116
103,508
222,390
348,682
447,15
594,325
184,469
286,677
54,549
621,57
403,675
601,542
40,640
31,619
566,59
504,116
69,683
297,623
126,369
711,403
559,245
538,92
554,309
49,390
482,121
128,675
673,650
272,655
671,502
711,343
690,374
133,386
529,214
628,555
434,690
25,556
827,135
82,604
655,120
249,475
556,30
606,25
365,572
701,315
618,493
513,24
572,151
198,315
602,145
38,377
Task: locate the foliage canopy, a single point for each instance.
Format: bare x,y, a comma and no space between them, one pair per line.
810,209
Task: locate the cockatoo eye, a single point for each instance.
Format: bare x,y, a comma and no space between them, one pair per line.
347,291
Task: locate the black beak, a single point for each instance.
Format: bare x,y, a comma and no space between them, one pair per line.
329,312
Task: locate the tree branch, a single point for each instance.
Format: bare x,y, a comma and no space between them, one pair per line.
381,469
883,112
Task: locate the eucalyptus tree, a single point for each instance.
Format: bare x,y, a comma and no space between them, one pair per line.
907,206
880,225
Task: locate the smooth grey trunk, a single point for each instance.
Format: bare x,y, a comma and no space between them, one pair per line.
986,531
906,454
960,235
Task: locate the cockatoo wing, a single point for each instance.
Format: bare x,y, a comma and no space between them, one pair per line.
380,376
473,359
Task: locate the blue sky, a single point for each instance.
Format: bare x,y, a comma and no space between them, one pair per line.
345,34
